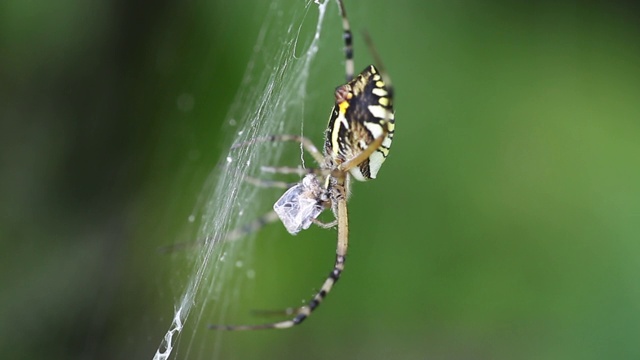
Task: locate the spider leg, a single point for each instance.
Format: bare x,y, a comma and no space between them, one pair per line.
325,225
233,235
348,45
305,311
253,226
378,61
287,170
306,144
180,246
268,183
284,312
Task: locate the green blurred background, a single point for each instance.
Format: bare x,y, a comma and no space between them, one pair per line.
504,225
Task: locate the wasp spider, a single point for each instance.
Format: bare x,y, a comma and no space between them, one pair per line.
357,142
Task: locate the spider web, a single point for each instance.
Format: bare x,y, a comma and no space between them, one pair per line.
270,101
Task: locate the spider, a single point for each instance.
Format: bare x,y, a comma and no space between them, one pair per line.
357,142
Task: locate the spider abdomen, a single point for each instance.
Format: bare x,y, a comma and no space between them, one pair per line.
363,112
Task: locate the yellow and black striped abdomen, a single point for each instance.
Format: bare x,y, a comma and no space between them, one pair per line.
363,112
